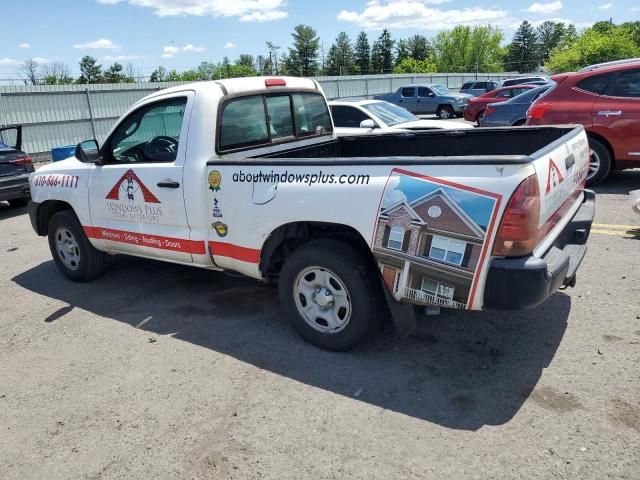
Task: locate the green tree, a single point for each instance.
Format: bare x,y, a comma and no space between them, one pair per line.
550,35
90,70
466,49
273,58
402,51
341,60
56,73
114,74
304,53
522,53
382,53
593,46
411,65
362,53
158,75
419,47
246,60
633,28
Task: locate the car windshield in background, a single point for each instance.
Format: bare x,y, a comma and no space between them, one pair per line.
440,89
389,113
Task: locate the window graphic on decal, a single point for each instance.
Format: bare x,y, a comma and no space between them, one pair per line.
430,259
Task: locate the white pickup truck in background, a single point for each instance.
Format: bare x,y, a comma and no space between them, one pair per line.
247,175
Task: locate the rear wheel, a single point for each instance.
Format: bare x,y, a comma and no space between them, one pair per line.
18,202
330,294
599,162
74,255
445,112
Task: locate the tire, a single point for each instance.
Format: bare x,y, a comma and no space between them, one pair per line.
71,250
599,162
445,112
479,117
19,202
329,267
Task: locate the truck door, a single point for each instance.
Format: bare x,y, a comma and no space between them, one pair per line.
136,196
617,114
408,98
426,101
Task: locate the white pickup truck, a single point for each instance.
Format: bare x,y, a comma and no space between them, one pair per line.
247,175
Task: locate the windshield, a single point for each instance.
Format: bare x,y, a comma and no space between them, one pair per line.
389,113
440,89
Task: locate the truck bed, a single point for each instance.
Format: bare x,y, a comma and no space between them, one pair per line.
495,145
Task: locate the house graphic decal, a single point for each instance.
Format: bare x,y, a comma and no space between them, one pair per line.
128,186
429,240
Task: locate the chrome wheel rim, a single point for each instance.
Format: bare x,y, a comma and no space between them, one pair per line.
444,114
322,299
594,164
67,248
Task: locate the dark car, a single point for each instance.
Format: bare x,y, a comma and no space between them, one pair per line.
15,167
512,112
525,80
475,107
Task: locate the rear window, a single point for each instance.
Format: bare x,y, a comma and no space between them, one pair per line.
596,84
467,86
260,120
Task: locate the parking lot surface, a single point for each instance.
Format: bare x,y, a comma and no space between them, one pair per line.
162,371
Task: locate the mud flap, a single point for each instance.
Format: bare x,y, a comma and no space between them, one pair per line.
402,314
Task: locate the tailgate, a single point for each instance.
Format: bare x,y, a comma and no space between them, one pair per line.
561,169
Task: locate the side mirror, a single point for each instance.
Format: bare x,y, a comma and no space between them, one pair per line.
431,95
368,123
87,151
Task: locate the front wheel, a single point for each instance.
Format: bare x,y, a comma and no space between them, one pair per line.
330,294
74,255
445,112
599,162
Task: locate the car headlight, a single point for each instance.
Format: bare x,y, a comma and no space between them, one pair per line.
462,100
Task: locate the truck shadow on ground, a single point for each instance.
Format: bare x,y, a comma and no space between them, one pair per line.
459,370
7,211
620,182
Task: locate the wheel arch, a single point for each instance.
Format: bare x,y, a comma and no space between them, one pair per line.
45,211
605,142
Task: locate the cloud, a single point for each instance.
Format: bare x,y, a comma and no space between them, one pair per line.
229,45
606,6
9,61
109,2
635,9
244,10
545,7
41,60
566,21
398,14
190,48
392,195
101,43
24,45
121,58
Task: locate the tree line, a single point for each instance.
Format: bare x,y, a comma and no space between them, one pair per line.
550,46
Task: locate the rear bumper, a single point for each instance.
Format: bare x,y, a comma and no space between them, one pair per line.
14,187
518,283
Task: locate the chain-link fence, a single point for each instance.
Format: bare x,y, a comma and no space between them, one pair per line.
58,115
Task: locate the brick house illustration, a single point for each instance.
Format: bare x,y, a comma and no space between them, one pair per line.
428,250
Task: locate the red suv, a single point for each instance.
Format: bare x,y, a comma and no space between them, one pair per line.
605,99
477,105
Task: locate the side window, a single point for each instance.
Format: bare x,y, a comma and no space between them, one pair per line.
424,92
347,117
243,124
466,86
280,119
150,134
627,84
504,94
311,115
481,85
596,84
408,92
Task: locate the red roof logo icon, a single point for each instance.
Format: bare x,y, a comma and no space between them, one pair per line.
555,178
130,177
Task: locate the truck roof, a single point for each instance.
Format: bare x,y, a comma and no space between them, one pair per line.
232,86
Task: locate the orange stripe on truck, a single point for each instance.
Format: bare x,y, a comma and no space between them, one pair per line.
196,247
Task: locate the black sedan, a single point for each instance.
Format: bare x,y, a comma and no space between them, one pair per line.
513,112
15,167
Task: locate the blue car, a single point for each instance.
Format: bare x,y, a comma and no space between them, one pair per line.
427,99
513,112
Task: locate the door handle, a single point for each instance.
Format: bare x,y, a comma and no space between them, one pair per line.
610,113
168,184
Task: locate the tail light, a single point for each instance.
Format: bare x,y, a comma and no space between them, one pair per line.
538,110
489,110
25,161
275,82
518,232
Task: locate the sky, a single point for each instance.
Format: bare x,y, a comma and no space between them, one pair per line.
182,33
403,187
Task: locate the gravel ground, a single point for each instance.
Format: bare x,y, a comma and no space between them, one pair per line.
162,371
